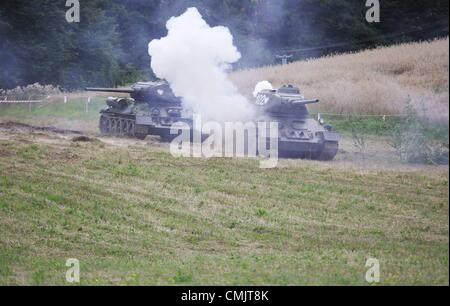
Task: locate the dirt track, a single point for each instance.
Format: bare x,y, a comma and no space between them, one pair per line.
378,154
21,127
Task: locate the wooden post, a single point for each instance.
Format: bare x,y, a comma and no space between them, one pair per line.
87,104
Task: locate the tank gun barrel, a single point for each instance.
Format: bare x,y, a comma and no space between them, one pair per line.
302,102
115,90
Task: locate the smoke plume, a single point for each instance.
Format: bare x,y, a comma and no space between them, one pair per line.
260,86
194,59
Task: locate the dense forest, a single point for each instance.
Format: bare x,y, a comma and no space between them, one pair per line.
108,47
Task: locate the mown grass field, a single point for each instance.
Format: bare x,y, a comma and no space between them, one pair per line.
133,214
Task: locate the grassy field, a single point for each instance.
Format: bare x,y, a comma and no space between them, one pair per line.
133,214
71,115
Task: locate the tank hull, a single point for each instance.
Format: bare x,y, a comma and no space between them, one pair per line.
130,125
324,151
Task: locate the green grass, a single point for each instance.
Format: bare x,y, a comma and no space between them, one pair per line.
74,109
65,115
139,216
379,126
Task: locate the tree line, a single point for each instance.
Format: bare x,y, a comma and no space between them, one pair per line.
108,47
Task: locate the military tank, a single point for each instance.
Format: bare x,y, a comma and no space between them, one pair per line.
151,109
300,136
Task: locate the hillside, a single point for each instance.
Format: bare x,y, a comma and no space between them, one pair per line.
133,214
377,81
111,47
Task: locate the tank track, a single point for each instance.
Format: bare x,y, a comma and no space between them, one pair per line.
329,151
117,126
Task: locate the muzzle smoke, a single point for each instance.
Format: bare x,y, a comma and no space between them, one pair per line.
260,86
194,59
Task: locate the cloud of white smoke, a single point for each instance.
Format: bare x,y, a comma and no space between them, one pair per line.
194,59
263,85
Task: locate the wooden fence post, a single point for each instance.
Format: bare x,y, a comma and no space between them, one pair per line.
87,104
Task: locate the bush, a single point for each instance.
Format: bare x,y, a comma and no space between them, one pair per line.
358,135
31,92
411,143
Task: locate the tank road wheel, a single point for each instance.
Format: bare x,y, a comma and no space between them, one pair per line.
129,127
329,151
115,126
112,130
104,125
122,127
140,131
140,136
119,127
110,126
125,127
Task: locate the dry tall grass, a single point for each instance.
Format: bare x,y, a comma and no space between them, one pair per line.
377,81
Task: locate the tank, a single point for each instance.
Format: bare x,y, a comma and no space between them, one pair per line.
300,136
151,109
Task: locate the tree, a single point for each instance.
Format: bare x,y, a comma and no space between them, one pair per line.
109,46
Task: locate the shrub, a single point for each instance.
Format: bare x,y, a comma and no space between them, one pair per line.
358,135
30,92
411,143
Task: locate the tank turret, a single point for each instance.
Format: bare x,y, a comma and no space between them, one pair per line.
288,100
145,92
